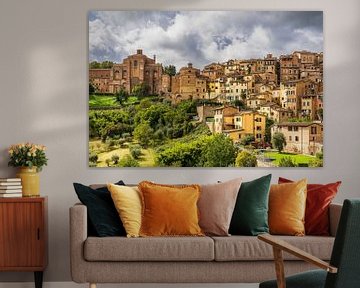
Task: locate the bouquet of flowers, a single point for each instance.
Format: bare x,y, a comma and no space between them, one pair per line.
27,155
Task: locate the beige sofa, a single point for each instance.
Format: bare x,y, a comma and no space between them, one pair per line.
234,259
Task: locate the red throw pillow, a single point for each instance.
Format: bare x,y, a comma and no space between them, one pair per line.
319,197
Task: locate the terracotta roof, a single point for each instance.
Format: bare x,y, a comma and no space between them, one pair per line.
233,130
252,112
298,124
233,114
223,107
270,104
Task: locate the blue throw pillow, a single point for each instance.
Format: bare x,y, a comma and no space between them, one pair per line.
103,218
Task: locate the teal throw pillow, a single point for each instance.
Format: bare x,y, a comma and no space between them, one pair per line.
250,216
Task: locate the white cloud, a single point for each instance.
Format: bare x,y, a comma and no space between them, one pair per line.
200,37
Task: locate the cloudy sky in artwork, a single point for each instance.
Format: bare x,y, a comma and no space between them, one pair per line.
202,37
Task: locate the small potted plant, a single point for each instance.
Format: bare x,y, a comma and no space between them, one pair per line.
30,158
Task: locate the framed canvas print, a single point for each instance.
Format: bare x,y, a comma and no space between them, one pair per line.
205,88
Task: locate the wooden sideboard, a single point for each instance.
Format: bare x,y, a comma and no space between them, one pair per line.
23,235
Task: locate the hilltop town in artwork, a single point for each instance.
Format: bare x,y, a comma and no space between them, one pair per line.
259,111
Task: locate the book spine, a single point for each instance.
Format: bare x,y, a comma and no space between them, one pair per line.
10,191
10,183
10,180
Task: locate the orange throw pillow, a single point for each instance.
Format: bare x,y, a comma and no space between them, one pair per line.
287,203
318,200
169,210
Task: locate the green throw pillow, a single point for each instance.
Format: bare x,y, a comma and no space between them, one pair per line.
250,216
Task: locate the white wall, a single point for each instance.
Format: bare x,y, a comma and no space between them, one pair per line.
43,85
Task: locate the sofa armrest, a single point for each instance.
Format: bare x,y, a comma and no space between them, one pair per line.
334,216
78,235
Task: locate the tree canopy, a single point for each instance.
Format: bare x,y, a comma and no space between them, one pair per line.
245,159
287,162
219,152
101,65
170,70
247,140
278,141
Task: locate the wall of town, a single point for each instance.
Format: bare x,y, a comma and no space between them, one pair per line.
44,80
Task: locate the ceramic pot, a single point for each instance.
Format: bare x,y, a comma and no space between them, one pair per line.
30,181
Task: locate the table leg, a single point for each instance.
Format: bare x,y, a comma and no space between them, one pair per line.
38,279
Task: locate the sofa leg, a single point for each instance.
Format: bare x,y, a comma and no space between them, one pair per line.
92,285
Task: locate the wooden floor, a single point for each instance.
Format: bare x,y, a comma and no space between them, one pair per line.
74,285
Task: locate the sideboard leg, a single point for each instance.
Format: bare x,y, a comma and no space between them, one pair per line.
92,285
38,279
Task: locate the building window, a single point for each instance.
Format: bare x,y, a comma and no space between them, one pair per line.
313,130
290,128
296,129
296,138
135,63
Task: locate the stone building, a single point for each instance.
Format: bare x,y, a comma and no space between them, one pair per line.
301,65
311,106
232,67
224,118
310,65
236,88
306,57
270,64
135,69
253,123
239,124
213,71
217,88
301,137
189,84
291,93
255,101
101,79
301,97
274,112
289,68
205,113
165,83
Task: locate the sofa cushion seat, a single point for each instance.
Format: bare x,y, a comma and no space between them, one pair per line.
249,248
149,249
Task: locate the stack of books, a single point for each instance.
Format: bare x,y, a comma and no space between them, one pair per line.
10,187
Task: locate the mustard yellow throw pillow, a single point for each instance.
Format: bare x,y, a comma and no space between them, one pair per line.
169,210
287,204
127,201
